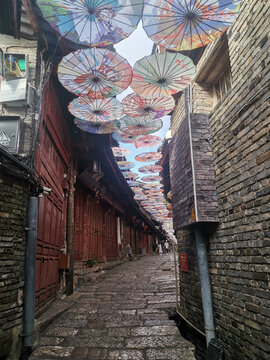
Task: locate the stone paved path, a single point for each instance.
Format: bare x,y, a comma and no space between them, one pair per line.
124,317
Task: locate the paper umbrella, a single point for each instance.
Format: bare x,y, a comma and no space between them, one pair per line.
134,106
148,156
147,141
187,24
162,74
91,22
125,165
94,72
150,169
123,137
139,126
120,152
96,128
95,110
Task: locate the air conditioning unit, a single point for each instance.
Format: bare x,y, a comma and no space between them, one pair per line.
16,93
11,128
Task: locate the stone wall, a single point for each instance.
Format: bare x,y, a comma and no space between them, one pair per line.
239,249
13,215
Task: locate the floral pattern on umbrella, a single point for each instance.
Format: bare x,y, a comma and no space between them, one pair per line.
120,152
124,137
187,24
162,74
133,183
96,128
134,106
150,169
139,126
125,165
148,156
147,141
91,22
152,186
130,175
95,110
95,72
151,178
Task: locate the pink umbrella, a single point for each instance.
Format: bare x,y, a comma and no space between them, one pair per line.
151,178
150,169
148,156
130,175
147,141
124,137
134,106
152,186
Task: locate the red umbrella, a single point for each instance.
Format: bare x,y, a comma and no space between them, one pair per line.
148,156
119,151
147,141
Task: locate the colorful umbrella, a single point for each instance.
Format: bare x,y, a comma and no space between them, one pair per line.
120,152
187,24
123,137
162,74
148,156
96,128
150,169
130,175
152,186
139,126
133,183
95,110
92,22
125,165
155,192
140,197
134,105
151,178
95,72
147,141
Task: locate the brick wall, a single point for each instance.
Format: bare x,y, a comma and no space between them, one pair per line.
13,205
239,249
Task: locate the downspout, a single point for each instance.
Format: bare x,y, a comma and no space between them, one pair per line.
208,313
205,284
30,270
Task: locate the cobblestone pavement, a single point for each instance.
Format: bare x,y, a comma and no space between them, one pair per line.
123,317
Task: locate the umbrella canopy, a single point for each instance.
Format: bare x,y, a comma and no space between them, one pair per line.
133,183
95,110
119,151
187,24
140,197
130,175
162,74
151,178
148,156
139,125
96,128
150,169
147,141
152,186
134,105
124,138
154,192
125,165
92,22
95,72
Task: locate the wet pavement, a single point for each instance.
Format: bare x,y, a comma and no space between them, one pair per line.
124,317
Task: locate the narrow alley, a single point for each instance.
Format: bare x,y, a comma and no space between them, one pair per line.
125,316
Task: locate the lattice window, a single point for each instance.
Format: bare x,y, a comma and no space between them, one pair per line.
223,85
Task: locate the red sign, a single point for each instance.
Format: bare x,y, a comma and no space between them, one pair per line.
183,262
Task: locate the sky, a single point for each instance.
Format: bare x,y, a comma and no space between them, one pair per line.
134,48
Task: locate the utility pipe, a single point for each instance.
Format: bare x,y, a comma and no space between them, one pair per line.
30,270
205,285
